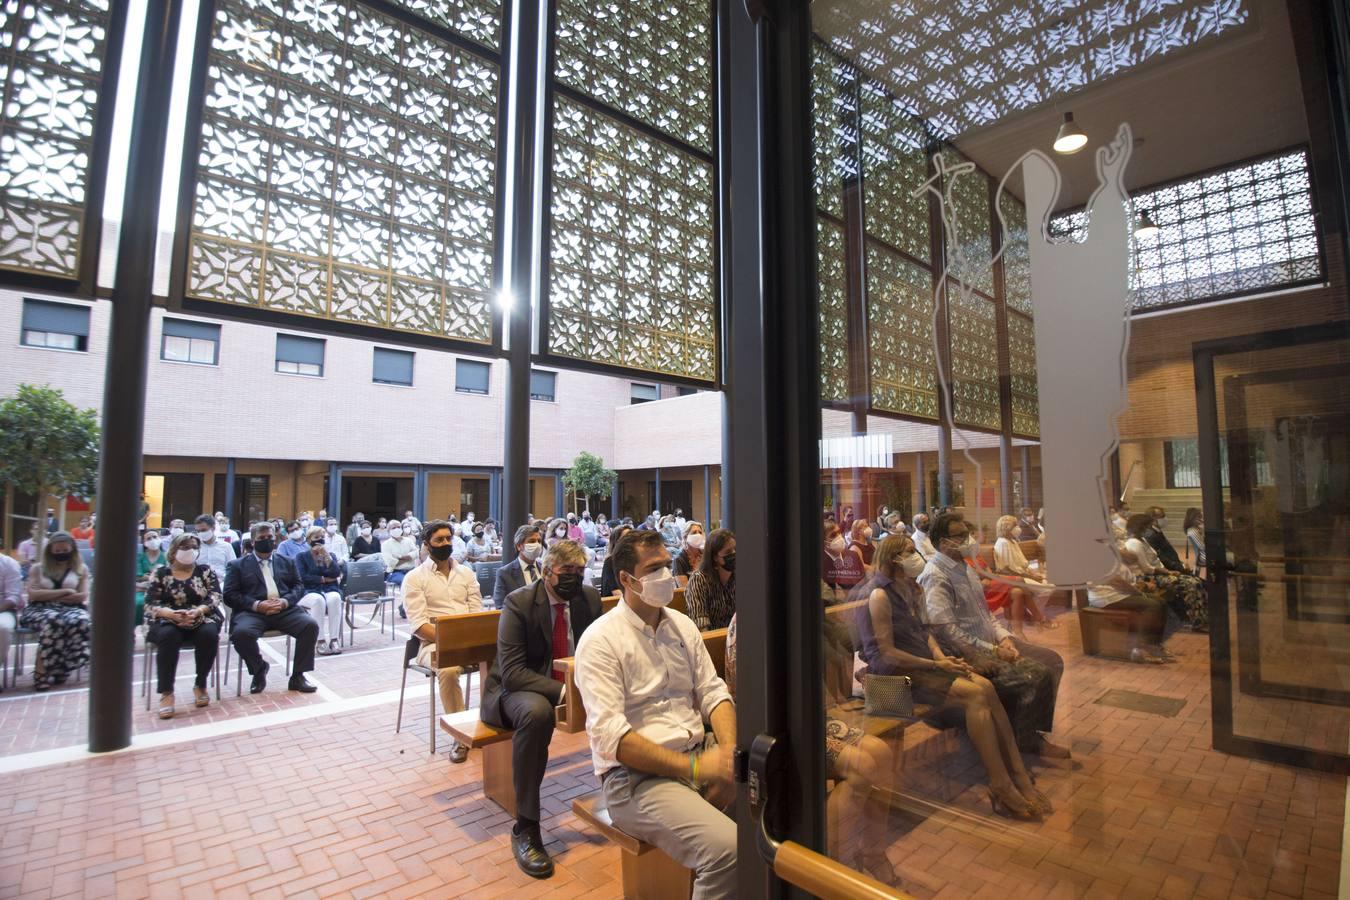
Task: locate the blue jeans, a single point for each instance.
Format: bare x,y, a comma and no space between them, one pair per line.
395,578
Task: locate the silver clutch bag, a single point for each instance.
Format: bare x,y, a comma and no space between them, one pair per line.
888,695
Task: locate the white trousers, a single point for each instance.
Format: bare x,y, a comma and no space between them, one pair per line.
326,607
8,620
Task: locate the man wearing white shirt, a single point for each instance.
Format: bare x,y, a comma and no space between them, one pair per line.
440,587
214,552
921,541
400,554
335,543
466,527
11,582
649,684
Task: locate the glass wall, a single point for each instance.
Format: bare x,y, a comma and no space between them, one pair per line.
1083,470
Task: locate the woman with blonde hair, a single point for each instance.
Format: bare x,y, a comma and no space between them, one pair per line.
860,542
182,605
691,551
321,576
58,589
1011,563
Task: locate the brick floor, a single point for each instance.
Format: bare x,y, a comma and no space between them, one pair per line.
336,804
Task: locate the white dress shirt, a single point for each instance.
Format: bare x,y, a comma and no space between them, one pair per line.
337,547
392,548
924,545
428,593
659,682
216,554
11,583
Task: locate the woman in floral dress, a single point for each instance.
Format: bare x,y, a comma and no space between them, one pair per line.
182,606
58,591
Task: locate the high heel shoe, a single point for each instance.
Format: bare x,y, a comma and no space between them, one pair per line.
1003,808
1039,803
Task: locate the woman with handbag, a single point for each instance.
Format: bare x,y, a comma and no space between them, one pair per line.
897,642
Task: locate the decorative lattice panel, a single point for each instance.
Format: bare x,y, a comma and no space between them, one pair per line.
974,335
834,128
968,228
833,288
1022,367
345,170
894,167
649,59
900,331
52,61
631,265
1016,256
1242,230
475,19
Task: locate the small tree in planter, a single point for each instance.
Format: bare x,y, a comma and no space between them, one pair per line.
588,476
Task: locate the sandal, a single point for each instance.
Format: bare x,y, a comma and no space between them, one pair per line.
1004,806
1039,803
202,698
321,649
166,706
334,648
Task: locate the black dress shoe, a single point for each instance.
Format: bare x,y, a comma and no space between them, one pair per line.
259,680
528,849
298,683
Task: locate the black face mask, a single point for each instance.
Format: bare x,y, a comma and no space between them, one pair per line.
729,562
264,545
568,586
441,553
61,555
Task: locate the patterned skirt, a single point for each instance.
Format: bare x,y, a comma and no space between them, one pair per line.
1185,596
62,637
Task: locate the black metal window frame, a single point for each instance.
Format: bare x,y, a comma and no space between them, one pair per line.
178,298
468,385
85,284
553,89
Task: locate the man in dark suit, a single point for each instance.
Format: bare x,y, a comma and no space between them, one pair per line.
263,592
539,623
524,569
1167,554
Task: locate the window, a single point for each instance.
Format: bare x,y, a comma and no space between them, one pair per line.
1181,463
471,376
645,393
393,367
543,385
683,391
56,326
299,355
190,342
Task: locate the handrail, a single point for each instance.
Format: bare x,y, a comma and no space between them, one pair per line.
827,878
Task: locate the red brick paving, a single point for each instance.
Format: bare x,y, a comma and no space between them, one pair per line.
338,805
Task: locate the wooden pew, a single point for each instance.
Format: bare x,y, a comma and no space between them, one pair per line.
648,873
469,640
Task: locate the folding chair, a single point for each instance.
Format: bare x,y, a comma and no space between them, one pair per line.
366,586
148,667
239,666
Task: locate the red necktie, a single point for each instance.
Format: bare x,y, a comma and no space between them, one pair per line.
559,637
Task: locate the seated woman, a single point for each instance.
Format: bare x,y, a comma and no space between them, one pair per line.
897,641
691,552
1011,563
999,594
1185,594
839,569
183,605
1195,540
148,560
58,589
1149,621
478,548
862,769
710,598
321,576
366,544
609,582
860,543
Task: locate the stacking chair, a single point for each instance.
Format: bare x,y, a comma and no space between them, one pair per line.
148,671
365,586
239,665
410,652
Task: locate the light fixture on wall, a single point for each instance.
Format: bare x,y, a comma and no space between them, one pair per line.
1071,138
1146,228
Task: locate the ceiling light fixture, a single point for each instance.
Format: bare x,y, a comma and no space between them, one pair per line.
1146,228
1071,138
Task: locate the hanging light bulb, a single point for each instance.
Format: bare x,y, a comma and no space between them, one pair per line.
1146,228
1071,138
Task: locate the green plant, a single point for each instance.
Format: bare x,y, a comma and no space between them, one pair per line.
588,476
48,446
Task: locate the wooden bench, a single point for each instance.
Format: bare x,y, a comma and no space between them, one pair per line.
469,640
1105,632
648,873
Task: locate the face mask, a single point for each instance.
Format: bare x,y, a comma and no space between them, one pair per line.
912,565
187,556
332,529
175,532
442,553
61,555
206,537
568,586
1161,521
152,543
696,541
729,562
531,551
297,534
970,549
396,532
304,524
264,545
470,517
365,532
658,588
836,545
561,532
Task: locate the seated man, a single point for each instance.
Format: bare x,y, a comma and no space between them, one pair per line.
540,623
400,554
263,593
1025,675
214,552
294,545
1160,544
521,571
648,684
440,586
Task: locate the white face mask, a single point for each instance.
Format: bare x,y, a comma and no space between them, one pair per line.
365,531
186,556
304,524
561,532
396,532
836,545
332,529
152,543
206,537
297,534
912,565
970,549
696,541
658,588
175,532
531,551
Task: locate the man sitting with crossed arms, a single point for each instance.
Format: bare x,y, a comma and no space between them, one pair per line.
648,683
